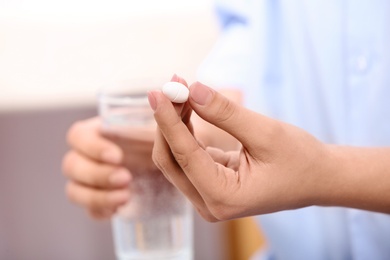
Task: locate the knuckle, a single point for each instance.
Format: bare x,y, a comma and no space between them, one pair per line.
225,111
73,131
69,191
91,174
159,159
206,215
182,156
181,159
67,164
90,200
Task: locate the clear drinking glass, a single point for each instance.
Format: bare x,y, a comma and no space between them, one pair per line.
156,223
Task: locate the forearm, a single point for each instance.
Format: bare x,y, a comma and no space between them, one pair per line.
360,178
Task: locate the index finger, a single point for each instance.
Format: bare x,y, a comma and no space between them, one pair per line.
85,137
195,162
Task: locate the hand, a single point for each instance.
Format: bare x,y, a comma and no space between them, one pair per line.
279,166
98,166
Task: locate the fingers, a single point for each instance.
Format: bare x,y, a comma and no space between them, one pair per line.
242,123
84,136
171,170
94,174
95,199
227,159
185,149
176,78
97,182
163,158
97,187
182,109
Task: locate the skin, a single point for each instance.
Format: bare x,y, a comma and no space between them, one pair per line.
278,167
99,168
97,180
248,164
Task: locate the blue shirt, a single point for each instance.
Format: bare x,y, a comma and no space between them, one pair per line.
323,65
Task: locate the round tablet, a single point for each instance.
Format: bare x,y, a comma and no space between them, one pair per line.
176,92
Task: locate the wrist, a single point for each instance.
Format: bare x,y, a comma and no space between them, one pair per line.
330,179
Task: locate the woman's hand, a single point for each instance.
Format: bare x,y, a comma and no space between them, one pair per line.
279,166
99,166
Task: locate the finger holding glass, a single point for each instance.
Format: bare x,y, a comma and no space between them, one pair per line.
96,179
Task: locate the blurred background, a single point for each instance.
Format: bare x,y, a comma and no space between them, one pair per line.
54,56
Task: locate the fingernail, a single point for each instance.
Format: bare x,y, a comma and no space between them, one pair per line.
152,100
119,178
112,156
118,197
174,78
200,94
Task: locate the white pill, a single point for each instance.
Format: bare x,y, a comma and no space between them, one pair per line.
176,92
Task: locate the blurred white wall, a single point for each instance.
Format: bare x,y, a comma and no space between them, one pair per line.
54,55
56,52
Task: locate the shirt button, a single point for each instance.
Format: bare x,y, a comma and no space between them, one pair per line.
360,64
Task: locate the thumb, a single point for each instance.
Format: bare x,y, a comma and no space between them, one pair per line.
245,125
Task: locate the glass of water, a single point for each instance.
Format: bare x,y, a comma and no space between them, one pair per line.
156,223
